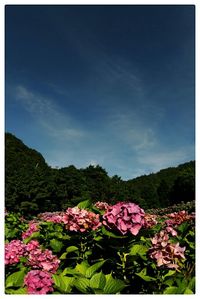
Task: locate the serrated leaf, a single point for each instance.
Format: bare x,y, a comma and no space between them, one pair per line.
84,204
169,273
56,245
171,290
82,268
82,284
191,284
71,249
16,279
20,291
92,269
112,285
110,234
138,249
63,283
34,235
145,277
71,272
188,291
98,281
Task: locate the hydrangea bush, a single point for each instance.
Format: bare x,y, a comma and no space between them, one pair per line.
101,249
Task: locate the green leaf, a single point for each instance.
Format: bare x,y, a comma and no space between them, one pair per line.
92,269
191,284
63,283
15,279
34,235
84,204
98,281
82,268
20,291
82,284
188,291
171,290
145,277
56,245
169,273
113,286
71,272
71,249
110,234
138,249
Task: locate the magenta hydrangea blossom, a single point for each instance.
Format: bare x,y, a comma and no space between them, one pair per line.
33,227
126,217
81,220
177,218
164,252
101,205
38,282
13,251
44,260
55,217
149,220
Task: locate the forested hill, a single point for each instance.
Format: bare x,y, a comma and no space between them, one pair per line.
32,186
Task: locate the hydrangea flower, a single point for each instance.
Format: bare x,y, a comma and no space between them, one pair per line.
13,251
44,260
38,282
149,220
55,217
101,205
33,227
31,246
81,220
164,252
177,218
126,217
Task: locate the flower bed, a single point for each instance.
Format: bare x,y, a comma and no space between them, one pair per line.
100,249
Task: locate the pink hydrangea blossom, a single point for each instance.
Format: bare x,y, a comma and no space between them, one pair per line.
38,282
101,205
164,252
81,220
177,218
55,217
44,260
126,217
33,227
13,251
31,246
149,220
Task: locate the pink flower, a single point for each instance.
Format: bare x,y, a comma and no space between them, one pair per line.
13,251
33,227
43,260
38,282
81,220
55,217
126,217
149,220
101,205
164,252
177,218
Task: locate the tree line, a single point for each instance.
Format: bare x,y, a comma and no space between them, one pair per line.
31,186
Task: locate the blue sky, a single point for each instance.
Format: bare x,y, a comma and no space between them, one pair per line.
108,85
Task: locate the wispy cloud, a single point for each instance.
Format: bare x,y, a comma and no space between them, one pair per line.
48,114
162,158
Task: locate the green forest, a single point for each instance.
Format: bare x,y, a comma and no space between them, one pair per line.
32,186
